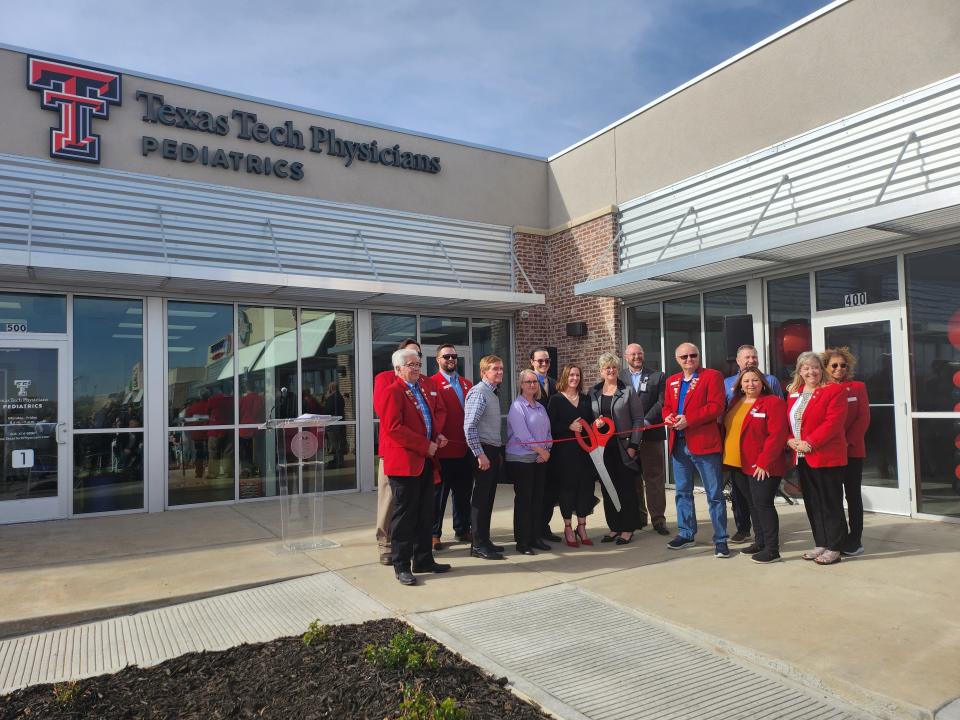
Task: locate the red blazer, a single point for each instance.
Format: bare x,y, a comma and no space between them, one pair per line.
453,426
858,418
763,436
703,406
403,434
824,418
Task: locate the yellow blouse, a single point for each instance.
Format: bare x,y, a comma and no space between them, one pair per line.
733,422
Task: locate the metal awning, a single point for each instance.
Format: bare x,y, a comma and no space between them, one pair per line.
892,226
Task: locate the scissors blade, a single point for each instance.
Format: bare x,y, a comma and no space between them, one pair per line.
597,457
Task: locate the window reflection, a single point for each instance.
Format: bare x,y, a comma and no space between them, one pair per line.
681,323
438,330
717,306
860,284
25,312
643,327
107,363
267,363
108,471
388,332
938,465
492,337
788,311
200,363
200,466
327,340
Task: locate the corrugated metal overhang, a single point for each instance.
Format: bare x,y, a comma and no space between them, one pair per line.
881,178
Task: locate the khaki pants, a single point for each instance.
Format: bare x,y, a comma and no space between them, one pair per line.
384,511
652,478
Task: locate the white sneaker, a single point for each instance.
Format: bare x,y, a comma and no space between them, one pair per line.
853,553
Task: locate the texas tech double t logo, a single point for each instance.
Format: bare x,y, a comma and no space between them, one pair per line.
79,94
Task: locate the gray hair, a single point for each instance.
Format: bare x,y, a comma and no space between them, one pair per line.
528,371
608,360
399,357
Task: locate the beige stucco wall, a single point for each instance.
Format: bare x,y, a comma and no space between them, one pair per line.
474,184
858,55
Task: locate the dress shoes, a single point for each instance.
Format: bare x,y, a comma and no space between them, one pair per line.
465,537
525,550
436,544
493,548
609,538
661,529
405,577
435,568
485,553
624,541
386,559
540,545
551,537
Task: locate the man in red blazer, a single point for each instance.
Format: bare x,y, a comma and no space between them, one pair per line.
409,439
381,382
456,460
693,403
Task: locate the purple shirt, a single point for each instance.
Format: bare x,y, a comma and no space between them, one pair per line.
526,423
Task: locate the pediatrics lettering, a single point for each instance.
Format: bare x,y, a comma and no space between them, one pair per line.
248,128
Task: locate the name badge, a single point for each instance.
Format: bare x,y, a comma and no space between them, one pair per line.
760,415
795,394
643,386
851,399
433,393
677,382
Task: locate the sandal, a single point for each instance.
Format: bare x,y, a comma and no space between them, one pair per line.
830,557
569,536
814,554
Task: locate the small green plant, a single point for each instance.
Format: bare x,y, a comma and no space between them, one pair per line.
404,651
419,705
66,693
316,632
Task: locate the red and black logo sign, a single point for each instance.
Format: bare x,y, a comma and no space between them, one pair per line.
79,94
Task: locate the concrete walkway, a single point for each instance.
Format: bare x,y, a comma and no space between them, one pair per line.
880,631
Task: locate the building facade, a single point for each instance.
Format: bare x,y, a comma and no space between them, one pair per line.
180,264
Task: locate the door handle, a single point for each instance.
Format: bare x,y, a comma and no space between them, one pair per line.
61,436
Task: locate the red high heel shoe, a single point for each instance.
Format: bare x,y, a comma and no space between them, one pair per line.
567,534
582,536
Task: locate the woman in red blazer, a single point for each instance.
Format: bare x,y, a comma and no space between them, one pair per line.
756,431
840,363
816,413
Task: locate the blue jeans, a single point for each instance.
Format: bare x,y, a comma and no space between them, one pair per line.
708,467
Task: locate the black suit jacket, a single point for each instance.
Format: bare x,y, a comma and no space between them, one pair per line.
551,386
651,399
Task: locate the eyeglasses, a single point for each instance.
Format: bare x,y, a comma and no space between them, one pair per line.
450,356
834,366
689,356
413,365
530,382
542,362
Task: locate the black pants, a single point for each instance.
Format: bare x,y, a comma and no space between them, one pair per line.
740,502
528,480
822,490
852,482
484,492
624,478
548,501
412,519
760,495
456,476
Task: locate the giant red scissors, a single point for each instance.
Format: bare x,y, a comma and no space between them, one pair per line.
593,445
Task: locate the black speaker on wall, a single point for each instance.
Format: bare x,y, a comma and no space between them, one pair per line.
554,368
576,329
737,331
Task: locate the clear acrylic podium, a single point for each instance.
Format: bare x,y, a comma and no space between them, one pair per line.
301,453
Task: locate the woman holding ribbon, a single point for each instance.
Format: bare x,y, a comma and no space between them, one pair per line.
840,363
609,398
569,411
816,413
528,450
756,431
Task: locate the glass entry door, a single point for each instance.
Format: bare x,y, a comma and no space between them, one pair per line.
430,367
34,466
874,336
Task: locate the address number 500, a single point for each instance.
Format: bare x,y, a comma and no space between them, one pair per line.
16,327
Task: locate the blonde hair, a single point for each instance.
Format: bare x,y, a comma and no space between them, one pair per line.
843,352
805,358
608,360
528,371
487,360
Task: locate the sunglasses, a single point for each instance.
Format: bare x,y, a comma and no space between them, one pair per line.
450,356
689,356
838,365
542,362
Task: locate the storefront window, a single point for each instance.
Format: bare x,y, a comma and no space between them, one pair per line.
388,332
492,337
788,313
200,466
200,364
267,363
854,285
26,313
643,327
681,324
937,443
717,307
107,363
108,471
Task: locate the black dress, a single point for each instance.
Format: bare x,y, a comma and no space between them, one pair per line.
570,467
627,519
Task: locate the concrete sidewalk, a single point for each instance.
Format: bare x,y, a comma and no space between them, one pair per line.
880,631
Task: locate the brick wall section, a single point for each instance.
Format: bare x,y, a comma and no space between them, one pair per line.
555,264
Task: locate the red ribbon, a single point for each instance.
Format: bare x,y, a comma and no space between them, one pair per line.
622,432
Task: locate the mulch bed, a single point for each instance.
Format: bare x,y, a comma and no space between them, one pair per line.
281,679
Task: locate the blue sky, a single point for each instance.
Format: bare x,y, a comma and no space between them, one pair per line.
528,75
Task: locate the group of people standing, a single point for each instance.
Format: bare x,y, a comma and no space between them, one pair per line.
441,438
